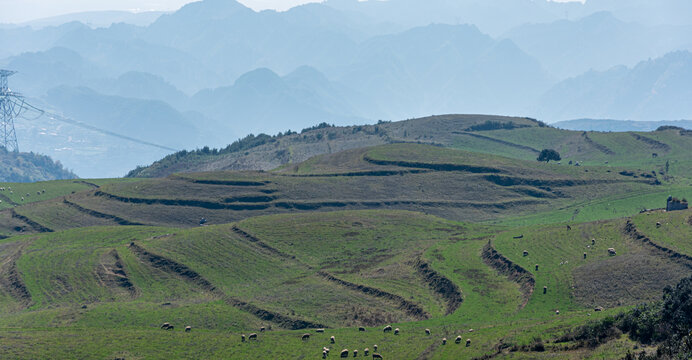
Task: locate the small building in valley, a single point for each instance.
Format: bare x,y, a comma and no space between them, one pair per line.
676,204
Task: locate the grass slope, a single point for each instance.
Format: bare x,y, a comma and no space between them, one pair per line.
276,263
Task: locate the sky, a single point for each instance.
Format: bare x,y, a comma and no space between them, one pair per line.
18,11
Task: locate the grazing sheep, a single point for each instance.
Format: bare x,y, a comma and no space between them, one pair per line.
366,351
305,337
262,329
468,342
324,348
470,330
344,353
569,228
188,328
361,329
593,241
38,193
536,267
332,340
519,236
165,325
611,252
526,253
355,353
584,255
444,341
375,347
598,308
252,336
387,328
427,331
324,354
170,327
319,330
22,198
396,331
458,340
376,356
658,224
242,338
545,289
557,312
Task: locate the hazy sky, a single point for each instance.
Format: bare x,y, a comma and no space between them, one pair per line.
16,11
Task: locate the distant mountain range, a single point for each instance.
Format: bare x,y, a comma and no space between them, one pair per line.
216,70
653,89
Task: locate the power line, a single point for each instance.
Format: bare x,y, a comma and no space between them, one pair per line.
70,121
13,104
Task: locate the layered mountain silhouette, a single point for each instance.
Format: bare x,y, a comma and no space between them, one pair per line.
216,70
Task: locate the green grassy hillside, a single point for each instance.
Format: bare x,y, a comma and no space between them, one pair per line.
442,235
512,137
435,180
337,270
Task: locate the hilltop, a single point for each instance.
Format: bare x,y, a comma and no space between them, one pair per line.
30,167
513,137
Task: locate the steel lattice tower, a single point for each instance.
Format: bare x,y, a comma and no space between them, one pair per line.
11,105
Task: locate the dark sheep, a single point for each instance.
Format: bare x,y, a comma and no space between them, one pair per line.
376,356
252,336
344,353
305,337
569,228
170,327
387,328
188,328
361,329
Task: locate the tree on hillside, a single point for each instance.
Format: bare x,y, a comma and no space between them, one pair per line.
549,154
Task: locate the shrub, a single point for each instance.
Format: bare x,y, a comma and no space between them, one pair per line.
549,154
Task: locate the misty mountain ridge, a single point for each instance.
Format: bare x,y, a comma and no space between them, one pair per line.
652,89
224,70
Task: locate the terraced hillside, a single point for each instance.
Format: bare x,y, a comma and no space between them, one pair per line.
335,270
513,137
435,180
485,244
